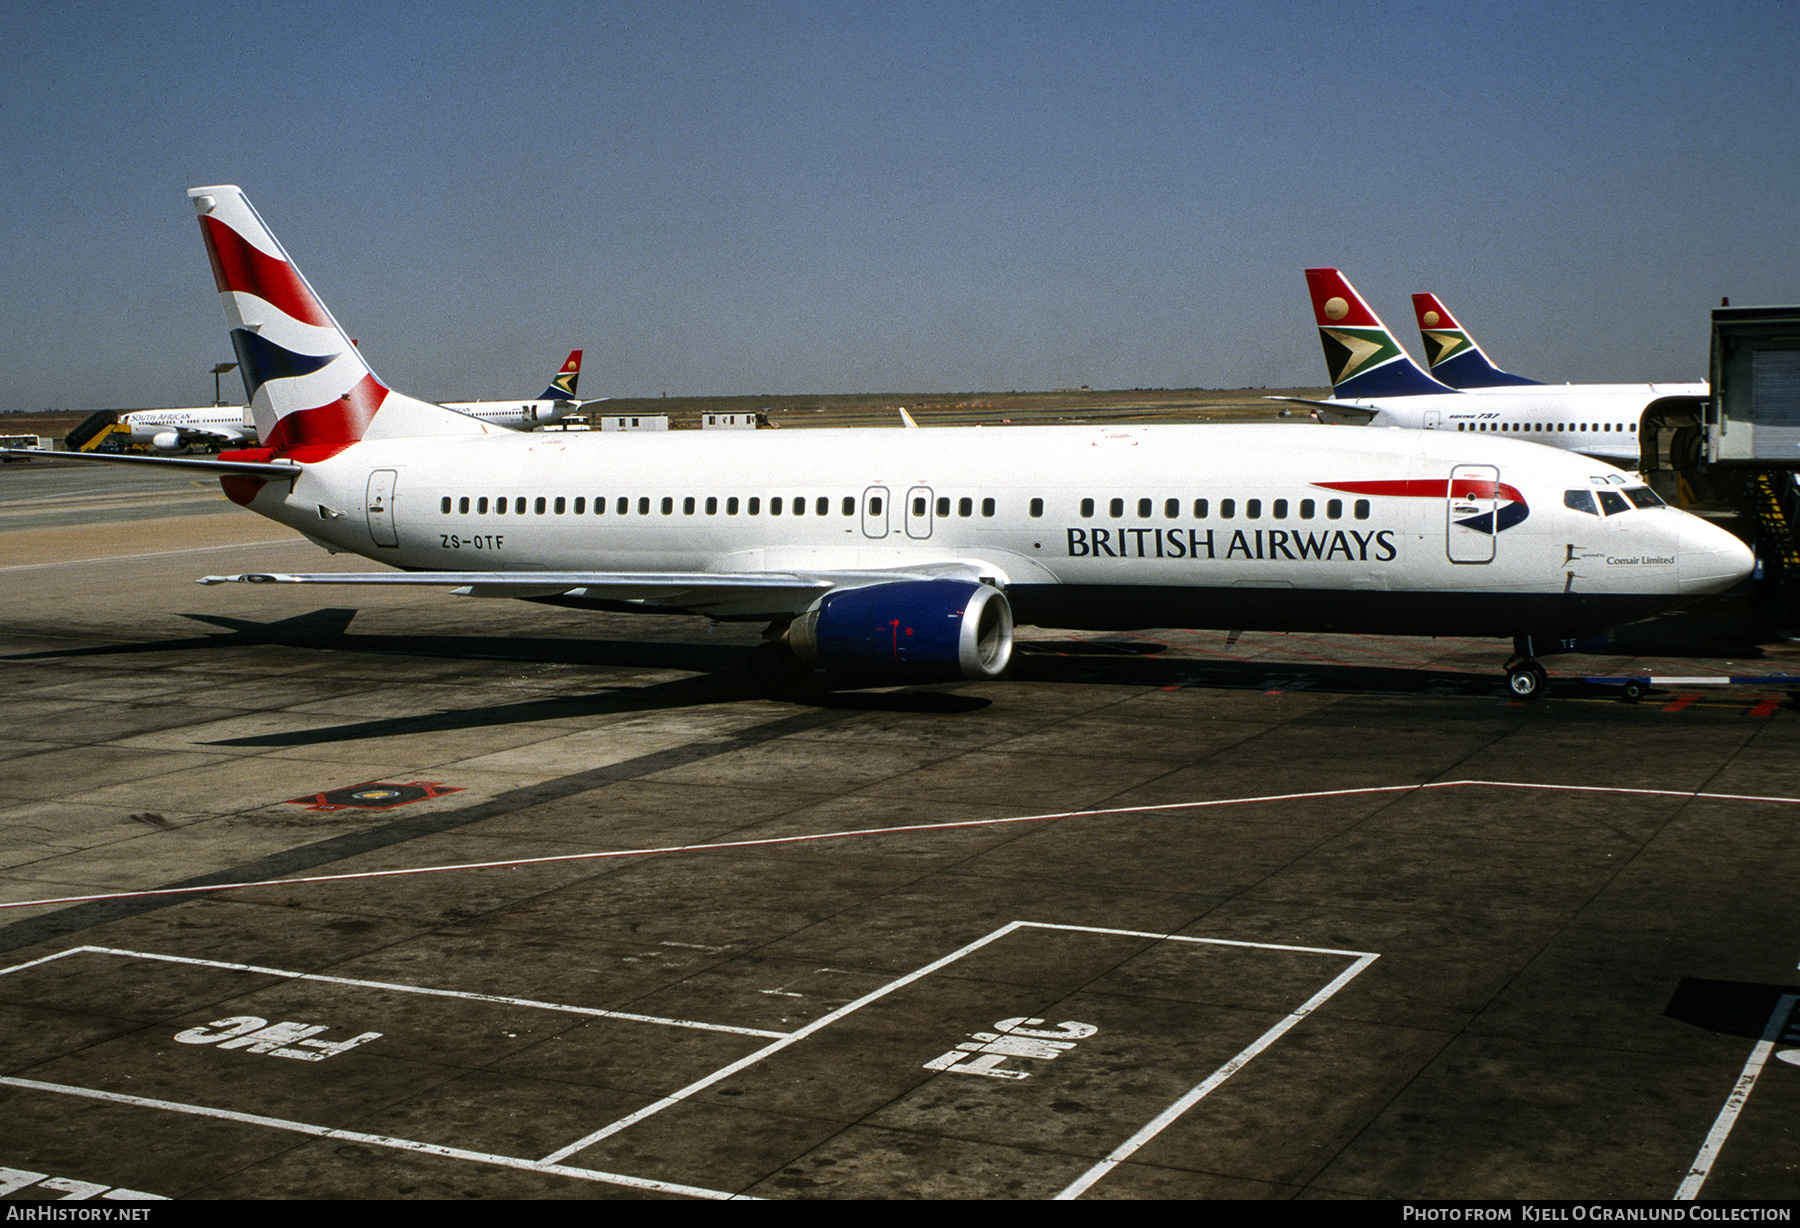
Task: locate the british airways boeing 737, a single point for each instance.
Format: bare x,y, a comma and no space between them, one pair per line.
1374,382
907,555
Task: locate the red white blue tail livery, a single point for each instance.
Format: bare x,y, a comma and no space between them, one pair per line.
311,393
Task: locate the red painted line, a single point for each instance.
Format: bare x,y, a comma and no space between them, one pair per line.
1766,708
1680,702
889,831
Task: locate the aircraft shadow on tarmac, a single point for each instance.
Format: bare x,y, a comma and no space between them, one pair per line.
718,673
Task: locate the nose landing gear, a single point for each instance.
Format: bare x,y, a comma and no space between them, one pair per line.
1525,678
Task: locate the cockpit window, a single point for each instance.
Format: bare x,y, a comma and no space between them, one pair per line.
1643,496
1580,501
1613,502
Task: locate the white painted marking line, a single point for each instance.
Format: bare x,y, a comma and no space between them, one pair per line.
373,1140
564,1008
1206,1087
153,554
1734,1103
1362,960
1690,794
724,1072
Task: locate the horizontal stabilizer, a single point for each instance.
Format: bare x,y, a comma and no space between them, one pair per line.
194,464
1335,412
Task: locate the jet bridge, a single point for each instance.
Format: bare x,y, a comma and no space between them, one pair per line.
1753,421
1753,424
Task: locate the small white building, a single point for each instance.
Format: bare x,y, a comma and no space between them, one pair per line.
732,422
635,422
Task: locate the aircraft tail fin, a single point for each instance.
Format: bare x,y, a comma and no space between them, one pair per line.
562,388
1454,357
310,390
1360,352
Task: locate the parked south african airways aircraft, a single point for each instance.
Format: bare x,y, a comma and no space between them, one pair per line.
222,426
173,430
907,555
549,406
1374,382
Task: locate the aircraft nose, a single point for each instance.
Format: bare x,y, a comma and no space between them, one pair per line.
1710,560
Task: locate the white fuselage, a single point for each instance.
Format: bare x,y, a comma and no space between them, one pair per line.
1255,527
518,415
1592,419
172,429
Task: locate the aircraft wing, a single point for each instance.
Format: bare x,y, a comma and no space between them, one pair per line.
1333,411
722,594
198,464
207,434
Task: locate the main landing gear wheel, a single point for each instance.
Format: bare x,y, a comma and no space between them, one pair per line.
1526,680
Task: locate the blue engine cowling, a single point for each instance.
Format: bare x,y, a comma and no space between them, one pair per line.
910,630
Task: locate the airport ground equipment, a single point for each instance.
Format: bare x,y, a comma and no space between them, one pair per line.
96,431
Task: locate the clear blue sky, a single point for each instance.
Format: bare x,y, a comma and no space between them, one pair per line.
906,197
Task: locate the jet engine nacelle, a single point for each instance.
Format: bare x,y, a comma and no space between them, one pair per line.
910,630
166,441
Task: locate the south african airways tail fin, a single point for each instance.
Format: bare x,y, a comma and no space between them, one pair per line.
1454,357
310,390
1360,352
562,388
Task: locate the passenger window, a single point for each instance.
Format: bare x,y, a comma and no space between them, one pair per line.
444,506
1280,509
1116,508
481,507
687,506
874,506
1580,501
799,505
712,505
463,507
1362,509
519,505
1171,509
1037,507
987,507
499,507
943,505
1199,509
1143,509
1307,507
558,506
822,506
1334,509
965,506
1253,509
668,505
1087,509
1227,508
731,506
919,505
753,506
775,506
849,505
580,504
